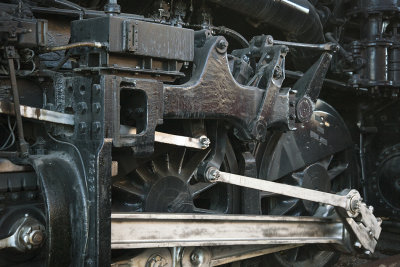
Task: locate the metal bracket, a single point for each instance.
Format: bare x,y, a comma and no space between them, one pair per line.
356,216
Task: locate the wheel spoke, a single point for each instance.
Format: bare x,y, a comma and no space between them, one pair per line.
161,165
292,254
146,175
176,158
337,170
326,162
284,207
130,188
189,167
264,194
199,188
298,177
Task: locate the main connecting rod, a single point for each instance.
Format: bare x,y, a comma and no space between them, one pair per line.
357,217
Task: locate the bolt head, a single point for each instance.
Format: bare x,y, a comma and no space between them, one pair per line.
357,244
269,39
96,88
82,127
96,107
96,127
222,46
36,237
277,73
194,258
82,107
371,208
371,233
204,142
212,174
197,257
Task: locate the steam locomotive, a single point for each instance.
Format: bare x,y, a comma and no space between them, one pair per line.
197,132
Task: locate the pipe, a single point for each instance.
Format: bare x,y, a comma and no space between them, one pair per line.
299,26
225,31
74,45
294,5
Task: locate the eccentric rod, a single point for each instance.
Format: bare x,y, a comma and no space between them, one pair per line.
282,189
353,212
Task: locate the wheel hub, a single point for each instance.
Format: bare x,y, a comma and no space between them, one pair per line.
169,194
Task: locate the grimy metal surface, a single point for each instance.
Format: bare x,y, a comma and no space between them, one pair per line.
38,113
145,230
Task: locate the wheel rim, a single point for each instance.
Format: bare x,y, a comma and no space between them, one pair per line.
335,173
169,183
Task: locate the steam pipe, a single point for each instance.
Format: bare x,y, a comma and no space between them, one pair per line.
299,26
